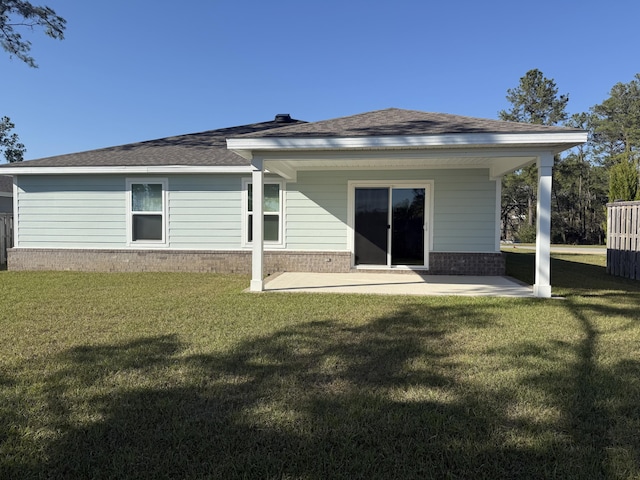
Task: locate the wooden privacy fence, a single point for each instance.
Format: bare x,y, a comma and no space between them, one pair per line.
623,239
6,236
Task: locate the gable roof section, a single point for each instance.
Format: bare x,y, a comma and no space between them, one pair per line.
395,138
398,122
207,148
406,129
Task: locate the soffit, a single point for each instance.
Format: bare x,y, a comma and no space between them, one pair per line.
499,161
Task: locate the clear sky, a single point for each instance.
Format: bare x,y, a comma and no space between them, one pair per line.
132,70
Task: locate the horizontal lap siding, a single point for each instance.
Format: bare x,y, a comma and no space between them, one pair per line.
71,211
464,211
205,212
316,217
464,206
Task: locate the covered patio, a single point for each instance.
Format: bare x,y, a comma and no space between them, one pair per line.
392,141
409,283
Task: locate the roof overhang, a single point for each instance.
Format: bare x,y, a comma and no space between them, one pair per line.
129,170
501,153
559,140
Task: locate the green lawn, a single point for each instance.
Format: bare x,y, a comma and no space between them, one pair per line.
184,376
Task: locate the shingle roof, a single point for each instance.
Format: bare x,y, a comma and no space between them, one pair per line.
204,148
398,122
210,149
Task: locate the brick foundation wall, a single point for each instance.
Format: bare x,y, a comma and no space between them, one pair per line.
237,261
466,263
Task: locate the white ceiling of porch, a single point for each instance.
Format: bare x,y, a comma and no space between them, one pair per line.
498,163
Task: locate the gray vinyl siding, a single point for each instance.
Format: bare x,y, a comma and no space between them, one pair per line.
71,212
316,217
204,212
464,211
90,211
464,204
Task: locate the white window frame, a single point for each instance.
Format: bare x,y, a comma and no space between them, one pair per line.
130,213
245,213
428,185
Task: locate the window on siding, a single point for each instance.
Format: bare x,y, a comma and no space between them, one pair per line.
272,207
147,210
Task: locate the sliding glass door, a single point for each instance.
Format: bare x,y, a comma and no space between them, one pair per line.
407,220
371,226
389,226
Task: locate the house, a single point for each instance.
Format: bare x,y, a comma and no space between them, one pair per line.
6,194
389,189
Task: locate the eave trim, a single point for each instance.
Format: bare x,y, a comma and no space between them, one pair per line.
155,169
560,140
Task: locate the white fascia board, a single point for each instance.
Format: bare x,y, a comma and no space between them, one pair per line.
159,169
560,140
6,194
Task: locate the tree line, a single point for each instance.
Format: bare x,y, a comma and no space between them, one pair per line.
605,169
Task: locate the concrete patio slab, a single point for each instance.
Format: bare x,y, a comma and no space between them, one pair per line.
397,284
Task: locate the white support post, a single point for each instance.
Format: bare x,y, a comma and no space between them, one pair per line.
542,286
257,255
498,217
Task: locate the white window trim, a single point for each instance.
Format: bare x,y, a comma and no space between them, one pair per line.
147,243
245,213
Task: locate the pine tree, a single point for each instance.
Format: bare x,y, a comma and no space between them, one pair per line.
623,181
616,133
535,100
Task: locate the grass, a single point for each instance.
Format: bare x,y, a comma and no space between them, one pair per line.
184,376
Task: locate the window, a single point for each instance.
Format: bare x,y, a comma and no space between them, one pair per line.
272,207
147,210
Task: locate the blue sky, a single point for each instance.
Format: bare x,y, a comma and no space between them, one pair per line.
132,70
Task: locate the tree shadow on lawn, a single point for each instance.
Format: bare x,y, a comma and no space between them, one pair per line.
578,277
601,412
387,399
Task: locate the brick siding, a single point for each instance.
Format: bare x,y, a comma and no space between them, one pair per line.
466,264
173,261
237,261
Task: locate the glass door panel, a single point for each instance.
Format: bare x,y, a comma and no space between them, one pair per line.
371,227
407,237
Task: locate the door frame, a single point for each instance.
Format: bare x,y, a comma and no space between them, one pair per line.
428,238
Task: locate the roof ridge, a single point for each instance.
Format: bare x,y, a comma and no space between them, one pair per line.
402,122
452,115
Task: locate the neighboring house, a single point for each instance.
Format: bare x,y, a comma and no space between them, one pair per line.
390,189
6,194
